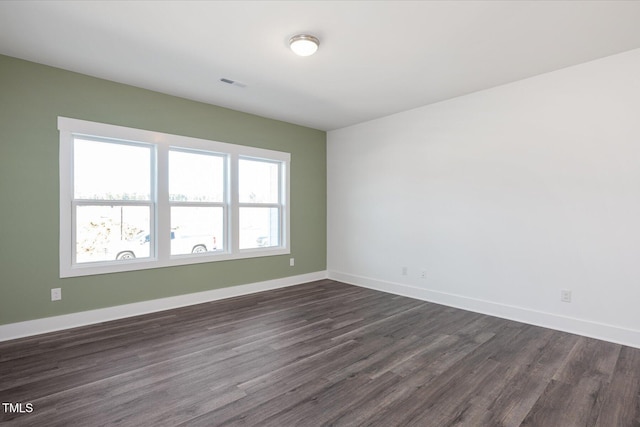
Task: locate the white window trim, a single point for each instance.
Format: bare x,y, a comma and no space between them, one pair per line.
69,128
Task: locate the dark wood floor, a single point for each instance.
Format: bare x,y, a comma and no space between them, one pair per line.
323,353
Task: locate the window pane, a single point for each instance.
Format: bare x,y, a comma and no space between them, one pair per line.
111,171
259,227
196,229
258,181
195,177
107,233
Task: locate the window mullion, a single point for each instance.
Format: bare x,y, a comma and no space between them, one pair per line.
283,190
163,207
234,197
101,202
260,205
197,204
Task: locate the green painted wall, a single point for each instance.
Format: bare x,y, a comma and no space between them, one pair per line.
32,96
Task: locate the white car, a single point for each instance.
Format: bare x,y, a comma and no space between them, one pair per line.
180,244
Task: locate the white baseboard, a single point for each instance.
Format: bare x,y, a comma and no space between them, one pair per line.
73,320
572,325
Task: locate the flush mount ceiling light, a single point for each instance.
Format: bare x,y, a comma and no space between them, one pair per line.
304,44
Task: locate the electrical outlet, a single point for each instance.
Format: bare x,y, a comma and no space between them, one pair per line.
423,274
56,294
565,295
292,262
405,271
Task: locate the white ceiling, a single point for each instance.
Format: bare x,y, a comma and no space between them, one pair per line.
375,58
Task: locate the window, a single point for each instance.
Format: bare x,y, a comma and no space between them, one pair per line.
132,199
112,201
197,200
260,207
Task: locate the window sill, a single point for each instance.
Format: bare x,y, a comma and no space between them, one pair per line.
107,267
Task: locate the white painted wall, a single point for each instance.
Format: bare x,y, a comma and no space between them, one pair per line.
504,197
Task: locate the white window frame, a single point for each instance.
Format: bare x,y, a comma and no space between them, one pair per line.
151,203
279,205
224,204
161,206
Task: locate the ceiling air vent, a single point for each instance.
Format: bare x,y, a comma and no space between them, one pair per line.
232,82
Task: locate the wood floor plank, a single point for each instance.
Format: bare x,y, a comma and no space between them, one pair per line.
322,353
462,377
530,373
577,391
622,405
